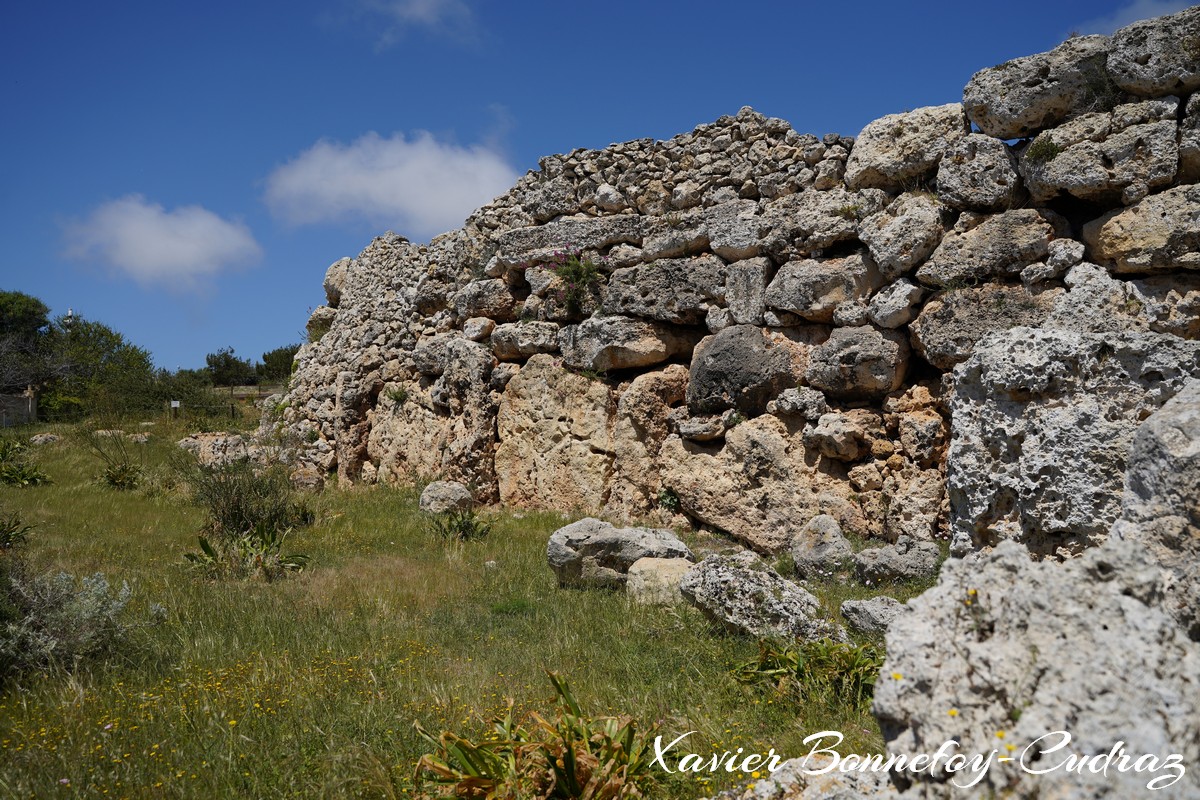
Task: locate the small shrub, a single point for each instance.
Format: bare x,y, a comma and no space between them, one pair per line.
574,757
124,476
239,499
56,622
668,500
850,212
823,671
398,396
580,277
1042,150
461,526
16,468
255,554
13,531
121,469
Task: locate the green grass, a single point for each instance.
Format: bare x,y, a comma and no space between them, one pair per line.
309,686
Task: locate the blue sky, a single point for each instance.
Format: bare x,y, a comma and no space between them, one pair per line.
185,172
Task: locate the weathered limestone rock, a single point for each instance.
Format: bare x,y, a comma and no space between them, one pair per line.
444,427
40,439
745,595
952,323
217,449
594,553
655,581
903,149
335,280
551,199
319,322
845,435
539,243
1155,57
820,549
915,506
810,221
814,777
703,429
859,362
922,435
486,298
979,173
743,367
442,496
639,428
1189,142
1106,157
905,560
895,305
802,401
872,616
604,343
1159,233
813,289
430,357
997,246
515,341
478,328
997,647
1023,96
1042,422
679,290
1161,504
1098,302
555,444
904,234
761,487
732,229
745,290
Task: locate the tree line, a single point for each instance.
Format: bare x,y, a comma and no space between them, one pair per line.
80,367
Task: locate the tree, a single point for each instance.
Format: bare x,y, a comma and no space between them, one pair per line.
22,315
229,370
277,364
23,320
91,368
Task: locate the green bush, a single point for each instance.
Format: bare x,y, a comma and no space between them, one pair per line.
238,498
13,531
461,526
254,554
53,621
122,470
576,757
249,513
16,468
580,277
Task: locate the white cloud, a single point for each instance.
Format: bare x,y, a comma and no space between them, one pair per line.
452,17
1131,12
144,241
419,187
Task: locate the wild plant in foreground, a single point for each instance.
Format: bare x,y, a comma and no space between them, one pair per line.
576,757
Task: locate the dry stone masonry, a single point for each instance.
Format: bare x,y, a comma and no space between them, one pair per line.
773,313
973,325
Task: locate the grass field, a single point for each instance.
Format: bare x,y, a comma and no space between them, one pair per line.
309,686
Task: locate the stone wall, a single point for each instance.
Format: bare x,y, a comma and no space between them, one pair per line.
788,325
